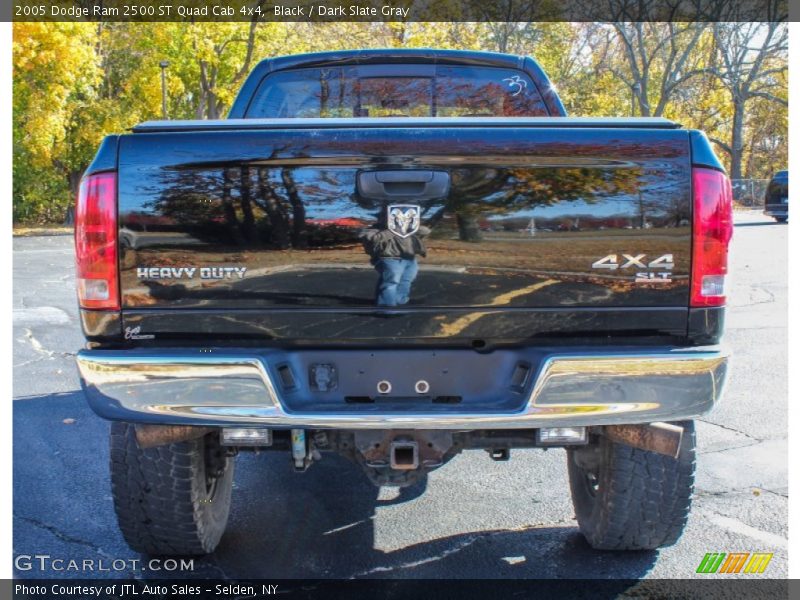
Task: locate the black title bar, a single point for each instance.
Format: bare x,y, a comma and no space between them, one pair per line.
396,589
398,10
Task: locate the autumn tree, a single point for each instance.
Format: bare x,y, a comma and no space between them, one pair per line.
653,60
55,72
752,60
74,83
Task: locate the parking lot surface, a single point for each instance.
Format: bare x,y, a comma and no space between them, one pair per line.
475,518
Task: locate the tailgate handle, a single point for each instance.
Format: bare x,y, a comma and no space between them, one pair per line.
403,183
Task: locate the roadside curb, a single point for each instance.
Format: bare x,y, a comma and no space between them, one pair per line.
41,232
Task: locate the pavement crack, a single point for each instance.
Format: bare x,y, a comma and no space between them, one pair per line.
754,289
43,352
64,537
774,493
726,427
718,494
37,345
747,489
728,448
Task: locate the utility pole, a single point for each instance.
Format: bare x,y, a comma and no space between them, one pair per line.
164,64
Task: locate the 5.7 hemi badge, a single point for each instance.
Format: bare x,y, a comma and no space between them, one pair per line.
191,272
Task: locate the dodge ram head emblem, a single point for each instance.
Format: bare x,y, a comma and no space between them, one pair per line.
403,219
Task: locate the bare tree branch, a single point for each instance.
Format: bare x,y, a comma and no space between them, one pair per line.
750,54
656,55
721,144
771,97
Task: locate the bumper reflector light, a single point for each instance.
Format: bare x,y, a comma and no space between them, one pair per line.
246,436
558,436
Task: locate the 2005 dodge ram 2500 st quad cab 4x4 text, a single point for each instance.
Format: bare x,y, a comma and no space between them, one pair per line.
398,255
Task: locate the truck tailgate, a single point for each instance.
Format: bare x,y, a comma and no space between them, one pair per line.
552,226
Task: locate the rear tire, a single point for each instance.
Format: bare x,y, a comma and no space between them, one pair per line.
631,499
173,499
781,219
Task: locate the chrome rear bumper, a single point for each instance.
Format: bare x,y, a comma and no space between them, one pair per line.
187,387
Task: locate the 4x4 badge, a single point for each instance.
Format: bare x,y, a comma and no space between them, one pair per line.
639,261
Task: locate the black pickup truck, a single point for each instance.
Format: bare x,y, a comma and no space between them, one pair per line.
396,256
776,199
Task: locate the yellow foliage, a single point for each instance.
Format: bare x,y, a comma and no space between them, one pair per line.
53,62
77,82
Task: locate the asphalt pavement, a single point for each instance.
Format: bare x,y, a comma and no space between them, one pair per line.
474,518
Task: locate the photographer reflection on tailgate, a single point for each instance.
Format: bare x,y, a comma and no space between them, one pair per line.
393,246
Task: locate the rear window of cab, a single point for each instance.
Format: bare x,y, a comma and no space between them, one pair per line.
397,91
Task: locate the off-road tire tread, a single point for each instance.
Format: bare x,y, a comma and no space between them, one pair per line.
644,499
159,496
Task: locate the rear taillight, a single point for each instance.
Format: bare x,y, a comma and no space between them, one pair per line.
712,230
96,242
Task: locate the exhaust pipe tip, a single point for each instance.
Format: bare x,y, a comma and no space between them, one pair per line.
662,438
152,436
